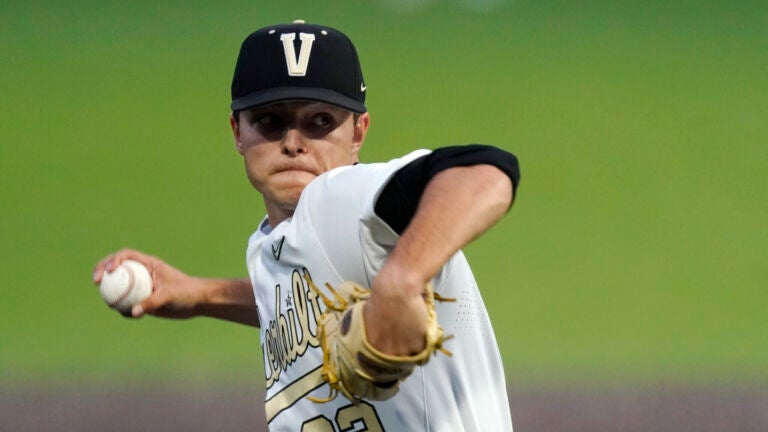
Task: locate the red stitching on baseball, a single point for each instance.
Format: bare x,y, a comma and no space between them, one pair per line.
131,280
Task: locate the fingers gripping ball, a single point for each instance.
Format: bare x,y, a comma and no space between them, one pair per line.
351,365
126,286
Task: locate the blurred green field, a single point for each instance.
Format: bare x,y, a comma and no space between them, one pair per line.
635,250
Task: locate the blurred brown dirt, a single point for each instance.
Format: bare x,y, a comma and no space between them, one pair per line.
698,409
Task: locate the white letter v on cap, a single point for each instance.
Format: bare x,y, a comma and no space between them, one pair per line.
297,68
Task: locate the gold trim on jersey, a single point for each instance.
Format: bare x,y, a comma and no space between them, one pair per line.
291,394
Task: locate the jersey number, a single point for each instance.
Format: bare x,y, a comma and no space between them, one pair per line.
362,416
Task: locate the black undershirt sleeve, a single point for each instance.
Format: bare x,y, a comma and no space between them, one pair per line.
398,201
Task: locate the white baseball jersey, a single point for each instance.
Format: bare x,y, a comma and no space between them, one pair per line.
333,236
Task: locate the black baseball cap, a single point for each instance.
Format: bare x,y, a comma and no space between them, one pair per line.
298,61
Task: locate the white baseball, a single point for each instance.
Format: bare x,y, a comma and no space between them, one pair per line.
126,286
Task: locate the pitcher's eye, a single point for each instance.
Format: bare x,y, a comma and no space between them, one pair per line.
269,123
266,120
322,120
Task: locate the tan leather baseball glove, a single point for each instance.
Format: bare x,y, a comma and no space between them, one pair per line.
351,365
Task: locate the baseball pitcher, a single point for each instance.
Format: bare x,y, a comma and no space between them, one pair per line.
370,316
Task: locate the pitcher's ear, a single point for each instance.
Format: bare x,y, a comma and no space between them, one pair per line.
361,129
234,123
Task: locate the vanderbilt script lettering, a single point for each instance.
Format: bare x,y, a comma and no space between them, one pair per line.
294,330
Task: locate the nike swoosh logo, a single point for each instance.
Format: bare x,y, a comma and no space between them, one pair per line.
277,250
362,87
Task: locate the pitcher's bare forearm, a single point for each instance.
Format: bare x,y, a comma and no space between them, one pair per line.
226,299
230,300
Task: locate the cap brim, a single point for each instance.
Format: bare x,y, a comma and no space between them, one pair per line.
284,94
